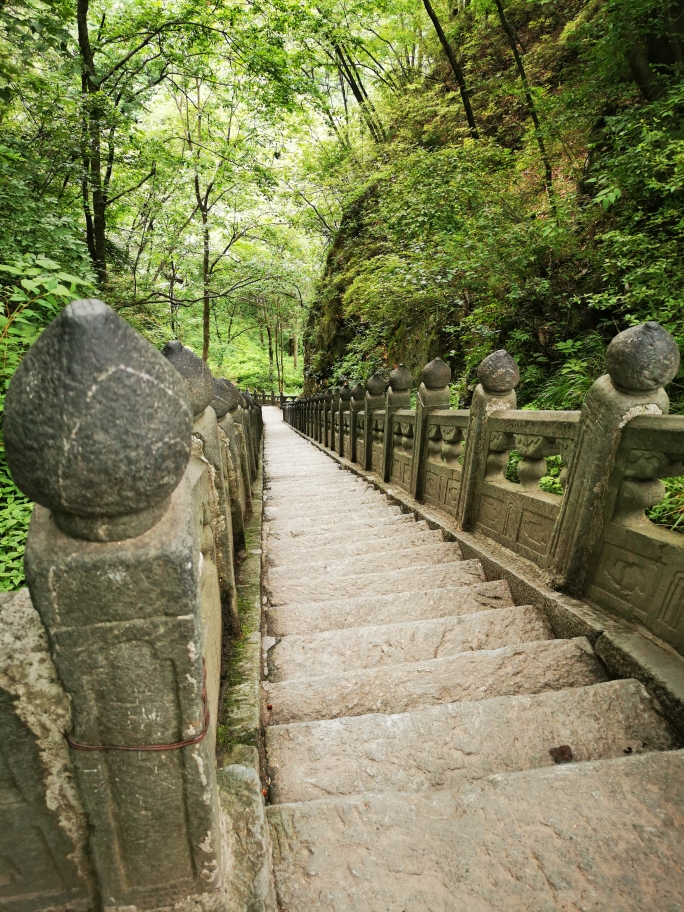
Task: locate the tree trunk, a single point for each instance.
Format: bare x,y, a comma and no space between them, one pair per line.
90,91
455,66
548,173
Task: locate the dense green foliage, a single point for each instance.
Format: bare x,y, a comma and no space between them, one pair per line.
305,191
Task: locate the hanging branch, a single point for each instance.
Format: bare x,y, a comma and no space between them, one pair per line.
548,173
455,66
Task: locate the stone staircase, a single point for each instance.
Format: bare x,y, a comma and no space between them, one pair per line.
429,744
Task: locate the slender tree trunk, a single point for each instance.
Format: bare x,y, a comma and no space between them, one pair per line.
270,352
294,349
455,66
206,302
548,173
90,90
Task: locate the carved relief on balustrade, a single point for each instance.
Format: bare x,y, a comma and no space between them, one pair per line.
639,569
378,442
443,469
521,516
403,429
359,440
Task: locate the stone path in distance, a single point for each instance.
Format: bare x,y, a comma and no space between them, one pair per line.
430,746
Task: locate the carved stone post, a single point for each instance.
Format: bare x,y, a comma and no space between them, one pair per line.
433,393
374,399
320,415
327,405
334,411
356,407
233,419
639,361
198,377
345,405
498,375
224,402
398,396
119,563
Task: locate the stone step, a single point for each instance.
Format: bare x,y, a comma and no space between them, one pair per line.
284,551
311,491
396,558
523,668
601,836
295,526
298,589
443,746
335,498
412,605
337,651
347,508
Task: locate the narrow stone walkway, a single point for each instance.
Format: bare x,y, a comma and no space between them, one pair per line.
430,745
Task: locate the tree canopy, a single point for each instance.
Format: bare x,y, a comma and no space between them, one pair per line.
306,190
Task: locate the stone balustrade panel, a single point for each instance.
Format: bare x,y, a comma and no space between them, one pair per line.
522,516
638,568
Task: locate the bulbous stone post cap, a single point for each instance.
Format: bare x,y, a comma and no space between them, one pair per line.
336,392
642,358
376,385
345,393
328,396
249,402
196,373
436,375
498,372
97,425
223,397
231,394
400,379
359,392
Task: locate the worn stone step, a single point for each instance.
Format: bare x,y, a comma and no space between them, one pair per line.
337,651
411,605
297,526
332,499
523,668
598,837
311,491
298,589
443,746
284,551
347,508
396,558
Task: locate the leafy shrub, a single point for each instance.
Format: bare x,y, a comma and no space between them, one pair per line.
33,290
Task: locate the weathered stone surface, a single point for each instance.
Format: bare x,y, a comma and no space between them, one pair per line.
195,372
376,384
44,859
354,523
231,394
642,358
400,379
129,625
248,880
442,747
414,604
436,375
97,425
498,372
523,668
337,651
600,836
292,591
223,399
352,567
359,392
284,551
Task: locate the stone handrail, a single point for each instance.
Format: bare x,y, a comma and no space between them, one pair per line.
141,465
592,541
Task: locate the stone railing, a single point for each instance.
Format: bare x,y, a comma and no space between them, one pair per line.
141,468
593,540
